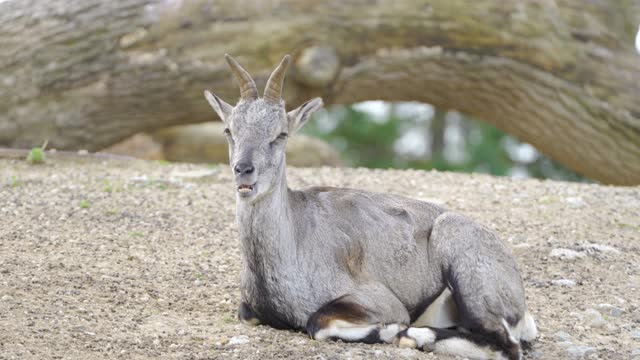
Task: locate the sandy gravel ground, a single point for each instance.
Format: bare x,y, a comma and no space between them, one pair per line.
133,259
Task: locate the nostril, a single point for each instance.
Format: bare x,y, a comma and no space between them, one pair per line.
243,168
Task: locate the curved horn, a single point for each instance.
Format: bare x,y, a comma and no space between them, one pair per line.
273,90
248,89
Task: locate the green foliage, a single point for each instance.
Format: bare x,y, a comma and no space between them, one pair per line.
14,182
360,141
84,204
364,141
36,156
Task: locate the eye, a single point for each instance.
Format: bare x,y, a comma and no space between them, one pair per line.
227,132
283,136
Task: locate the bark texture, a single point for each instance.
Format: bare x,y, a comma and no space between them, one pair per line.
562,75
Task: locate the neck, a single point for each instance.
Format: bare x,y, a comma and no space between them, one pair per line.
265,227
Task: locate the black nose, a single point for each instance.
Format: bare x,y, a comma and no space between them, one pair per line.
243,168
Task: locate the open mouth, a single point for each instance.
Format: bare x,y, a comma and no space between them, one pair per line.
245,189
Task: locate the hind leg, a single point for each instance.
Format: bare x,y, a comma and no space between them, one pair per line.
368,314
486,286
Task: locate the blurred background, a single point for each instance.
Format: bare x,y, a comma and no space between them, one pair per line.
543,89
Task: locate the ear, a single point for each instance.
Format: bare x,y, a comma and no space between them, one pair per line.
222,108
298,117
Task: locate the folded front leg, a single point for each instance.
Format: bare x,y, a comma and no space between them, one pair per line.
369,314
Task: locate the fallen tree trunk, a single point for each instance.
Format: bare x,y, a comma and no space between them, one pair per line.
562,75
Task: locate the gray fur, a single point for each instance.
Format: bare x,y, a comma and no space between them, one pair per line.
389,254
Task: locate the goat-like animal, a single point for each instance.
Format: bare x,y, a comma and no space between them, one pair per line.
355,265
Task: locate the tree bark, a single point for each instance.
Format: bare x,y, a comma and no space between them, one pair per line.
562,75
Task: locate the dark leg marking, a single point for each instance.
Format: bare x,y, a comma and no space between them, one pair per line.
246,315
350,322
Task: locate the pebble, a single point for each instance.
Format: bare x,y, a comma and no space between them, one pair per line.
561,336
522,246
635,353
579,351
635,334
517,239
564,282
536,354
566,254
600,248
239,340
6,298
194,174
408,353
575,202
593,318
611,310
578,328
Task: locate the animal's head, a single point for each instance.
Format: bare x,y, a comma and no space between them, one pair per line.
257,129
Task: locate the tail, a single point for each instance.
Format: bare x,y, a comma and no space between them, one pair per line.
506,343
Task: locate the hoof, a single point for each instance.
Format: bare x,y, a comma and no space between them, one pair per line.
406,342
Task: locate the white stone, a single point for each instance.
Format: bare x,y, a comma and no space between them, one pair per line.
194,174
611,310
566,254
575,202
579,352
593,318
239,340
561,336
522,246
564,282
600,248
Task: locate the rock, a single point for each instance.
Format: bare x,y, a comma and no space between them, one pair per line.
536,354
611,310
141,146
566,254
635,334
578,328
600,248
579,352
563,282
517,239
612,328
522,246
593,318
575,202
561,336
635,353
239,340
6,298
194,174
